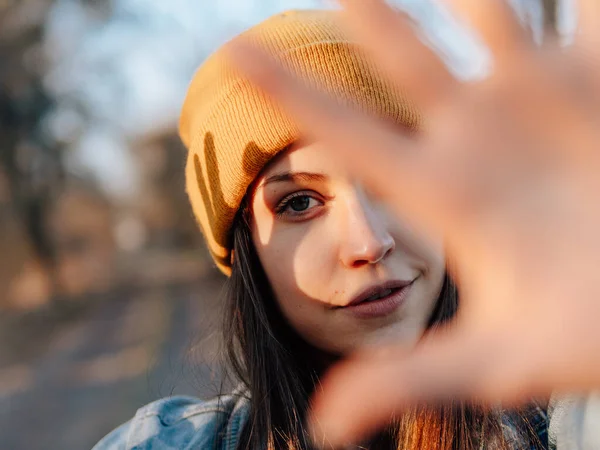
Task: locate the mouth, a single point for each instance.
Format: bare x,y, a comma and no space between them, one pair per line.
380,300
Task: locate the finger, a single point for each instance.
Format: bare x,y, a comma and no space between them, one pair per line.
390,37
588,24
495,22
442,368
377,153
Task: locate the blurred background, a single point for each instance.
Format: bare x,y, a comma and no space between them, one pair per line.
107,297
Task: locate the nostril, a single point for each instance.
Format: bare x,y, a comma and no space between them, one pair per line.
359,263
388,252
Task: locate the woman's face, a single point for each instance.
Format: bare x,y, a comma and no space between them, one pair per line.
345,273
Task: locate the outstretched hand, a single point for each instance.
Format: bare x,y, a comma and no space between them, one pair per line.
508,169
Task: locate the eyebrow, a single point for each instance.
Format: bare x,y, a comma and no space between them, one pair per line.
295,176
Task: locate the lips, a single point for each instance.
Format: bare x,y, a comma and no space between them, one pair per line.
379,300
379,291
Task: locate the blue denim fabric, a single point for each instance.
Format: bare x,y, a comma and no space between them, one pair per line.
182,423
186,423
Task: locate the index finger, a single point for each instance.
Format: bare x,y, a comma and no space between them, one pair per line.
450,366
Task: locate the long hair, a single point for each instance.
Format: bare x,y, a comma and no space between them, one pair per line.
280,371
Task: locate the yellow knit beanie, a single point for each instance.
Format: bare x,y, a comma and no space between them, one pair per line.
232,129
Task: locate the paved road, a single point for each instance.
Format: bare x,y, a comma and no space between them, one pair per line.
99,368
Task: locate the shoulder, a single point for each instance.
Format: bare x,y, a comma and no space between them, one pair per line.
182,422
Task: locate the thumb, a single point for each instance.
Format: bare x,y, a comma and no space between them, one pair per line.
361,395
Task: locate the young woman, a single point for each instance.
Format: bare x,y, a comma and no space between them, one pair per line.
317,267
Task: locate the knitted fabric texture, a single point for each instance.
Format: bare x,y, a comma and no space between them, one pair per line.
232,129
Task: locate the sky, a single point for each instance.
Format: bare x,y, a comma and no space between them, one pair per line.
130,72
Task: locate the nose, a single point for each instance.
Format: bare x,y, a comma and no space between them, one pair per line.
365,238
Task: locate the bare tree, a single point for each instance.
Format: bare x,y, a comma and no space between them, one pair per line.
31,161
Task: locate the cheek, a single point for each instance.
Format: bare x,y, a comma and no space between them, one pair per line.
299,266
425,246
426,252
436,261
299,263
434,275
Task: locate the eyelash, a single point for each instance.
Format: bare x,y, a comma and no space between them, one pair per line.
281,210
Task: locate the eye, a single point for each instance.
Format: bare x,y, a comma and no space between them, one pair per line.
298,204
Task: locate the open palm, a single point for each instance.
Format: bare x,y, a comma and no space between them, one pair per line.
508,169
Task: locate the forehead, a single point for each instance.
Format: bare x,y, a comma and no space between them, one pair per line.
300,157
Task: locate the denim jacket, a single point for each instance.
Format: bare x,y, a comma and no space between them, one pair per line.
186,423
183,423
